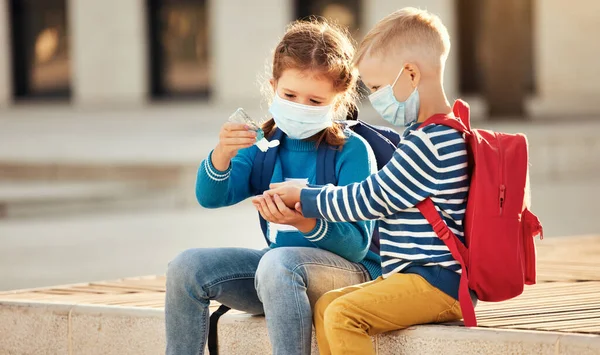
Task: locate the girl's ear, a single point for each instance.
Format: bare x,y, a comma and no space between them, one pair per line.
273,84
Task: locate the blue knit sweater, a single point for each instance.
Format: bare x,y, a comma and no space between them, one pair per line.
297,159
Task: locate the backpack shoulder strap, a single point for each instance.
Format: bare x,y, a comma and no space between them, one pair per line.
260,178
326,156
459,253
263,166
367,131
460,122
445,120
382,140
462,110
262,172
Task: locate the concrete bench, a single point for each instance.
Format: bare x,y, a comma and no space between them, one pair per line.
560,315
243,334
60,328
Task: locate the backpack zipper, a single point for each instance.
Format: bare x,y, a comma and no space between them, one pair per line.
502,188
502,192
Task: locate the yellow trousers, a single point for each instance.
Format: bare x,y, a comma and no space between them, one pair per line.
345,319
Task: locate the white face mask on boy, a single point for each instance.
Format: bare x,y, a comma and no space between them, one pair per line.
396,112
300,121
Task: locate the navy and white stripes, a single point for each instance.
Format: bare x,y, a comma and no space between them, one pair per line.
431,162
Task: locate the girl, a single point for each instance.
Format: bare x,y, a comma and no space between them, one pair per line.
313,83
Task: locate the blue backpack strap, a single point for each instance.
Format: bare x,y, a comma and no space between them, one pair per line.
262,172
260,178
326,156
263,166
384,142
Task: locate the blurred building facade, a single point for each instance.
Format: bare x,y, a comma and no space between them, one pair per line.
535,57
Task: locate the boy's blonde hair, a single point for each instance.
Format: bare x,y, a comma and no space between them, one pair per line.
417,35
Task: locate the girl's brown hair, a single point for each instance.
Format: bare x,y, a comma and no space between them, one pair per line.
327,49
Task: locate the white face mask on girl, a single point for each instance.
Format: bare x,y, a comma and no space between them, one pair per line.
300,121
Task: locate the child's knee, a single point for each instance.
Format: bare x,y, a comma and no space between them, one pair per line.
322,304
336,313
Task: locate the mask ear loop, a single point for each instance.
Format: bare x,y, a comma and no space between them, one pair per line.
398,77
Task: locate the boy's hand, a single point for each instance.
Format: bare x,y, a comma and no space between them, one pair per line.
289,192
272,209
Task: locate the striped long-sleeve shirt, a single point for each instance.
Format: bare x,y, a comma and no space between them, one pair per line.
430,162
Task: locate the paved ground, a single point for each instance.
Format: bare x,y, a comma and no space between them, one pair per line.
41,252
46,251
161,134
183,133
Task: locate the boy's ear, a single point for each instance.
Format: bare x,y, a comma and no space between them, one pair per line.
415,74
273,84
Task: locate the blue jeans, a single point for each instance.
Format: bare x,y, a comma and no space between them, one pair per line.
282,283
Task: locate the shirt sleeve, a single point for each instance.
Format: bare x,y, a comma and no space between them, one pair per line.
216,188
415,172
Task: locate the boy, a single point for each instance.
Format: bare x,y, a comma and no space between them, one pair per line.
401,60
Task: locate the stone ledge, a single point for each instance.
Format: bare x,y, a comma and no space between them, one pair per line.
34,327
425,339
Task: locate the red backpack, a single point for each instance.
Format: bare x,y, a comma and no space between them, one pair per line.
498,258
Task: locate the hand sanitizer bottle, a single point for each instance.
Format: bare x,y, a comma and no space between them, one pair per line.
240,116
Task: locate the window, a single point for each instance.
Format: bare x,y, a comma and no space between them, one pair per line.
496,53
345,13
40,46
179,48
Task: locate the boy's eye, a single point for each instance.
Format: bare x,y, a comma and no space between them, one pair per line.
375,88
291,96
315,102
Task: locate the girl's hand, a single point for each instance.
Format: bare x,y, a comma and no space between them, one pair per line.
232,138
272,209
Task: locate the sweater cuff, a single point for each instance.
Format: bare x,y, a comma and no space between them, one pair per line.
213,173
319,232
309,201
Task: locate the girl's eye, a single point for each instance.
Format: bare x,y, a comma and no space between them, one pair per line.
290,96
375,88
315,102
